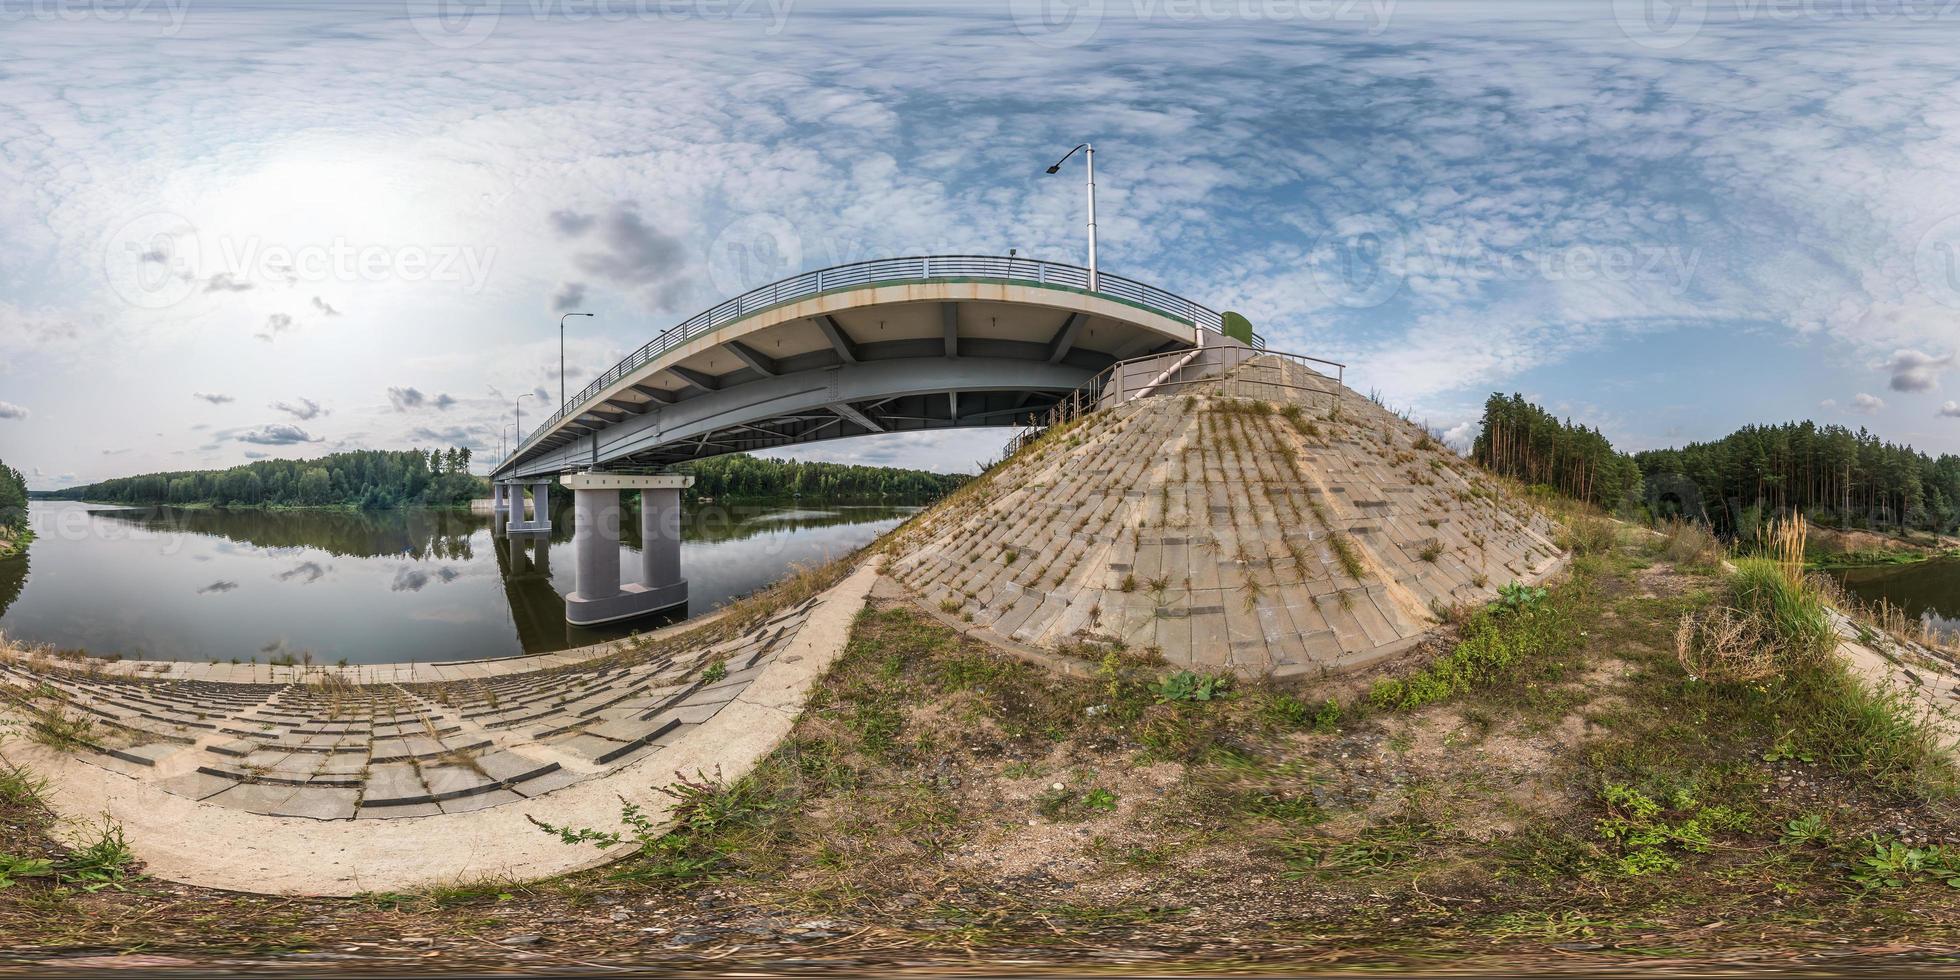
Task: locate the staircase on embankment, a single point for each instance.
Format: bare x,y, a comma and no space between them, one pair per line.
1262,519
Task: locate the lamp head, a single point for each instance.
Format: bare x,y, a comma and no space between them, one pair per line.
1057,168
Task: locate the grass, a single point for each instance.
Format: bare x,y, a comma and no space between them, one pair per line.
1496,644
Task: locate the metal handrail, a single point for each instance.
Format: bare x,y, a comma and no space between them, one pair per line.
1087,398
853,275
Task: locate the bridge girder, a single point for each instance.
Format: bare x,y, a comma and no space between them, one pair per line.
855,362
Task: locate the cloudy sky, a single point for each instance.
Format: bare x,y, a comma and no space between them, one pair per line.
230,230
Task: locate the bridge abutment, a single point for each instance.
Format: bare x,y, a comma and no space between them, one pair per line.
598,596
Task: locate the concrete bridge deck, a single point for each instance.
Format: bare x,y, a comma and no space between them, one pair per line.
884,346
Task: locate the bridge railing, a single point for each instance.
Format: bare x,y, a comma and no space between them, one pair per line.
875,271
1244,372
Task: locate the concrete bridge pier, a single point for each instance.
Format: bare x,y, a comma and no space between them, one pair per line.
540,518
597,595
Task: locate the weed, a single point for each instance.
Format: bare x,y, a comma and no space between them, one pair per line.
1188,686
717,671
1497,641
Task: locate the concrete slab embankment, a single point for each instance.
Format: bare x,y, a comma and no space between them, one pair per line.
254,787
1280,526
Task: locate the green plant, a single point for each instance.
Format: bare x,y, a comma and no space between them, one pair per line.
703,812
1807,829
102,861
1100,800
716,671
12,869
1519,596
1893,864
1189,686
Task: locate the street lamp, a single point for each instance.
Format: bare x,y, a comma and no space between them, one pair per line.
561,358
519,437
501,433
1088,157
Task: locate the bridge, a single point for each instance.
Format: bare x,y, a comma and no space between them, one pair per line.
888,345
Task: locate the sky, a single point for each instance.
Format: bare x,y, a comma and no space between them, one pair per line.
235,230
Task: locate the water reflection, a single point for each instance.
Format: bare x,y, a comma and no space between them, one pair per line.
1928,591
422,585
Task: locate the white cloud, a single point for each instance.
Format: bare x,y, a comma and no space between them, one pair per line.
1868,404
1950,410
9,410
1916,371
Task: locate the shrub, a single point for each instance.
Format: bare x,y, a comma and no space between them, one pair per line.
1689,543
1586,534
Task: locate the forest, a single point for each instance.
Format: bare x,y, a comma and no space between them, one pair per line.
368,479
1835,476
1525,442
744,477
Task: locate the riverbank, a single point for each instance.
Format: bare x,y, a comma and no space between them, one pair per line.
14,541
1834,548
1580,804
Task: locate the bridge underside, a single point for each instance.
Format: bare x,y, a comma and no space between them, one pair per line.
875,360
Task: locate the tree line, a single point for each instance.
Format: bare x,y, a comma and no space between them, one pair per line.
740,476
1833,475
370,479
13,498
1525,442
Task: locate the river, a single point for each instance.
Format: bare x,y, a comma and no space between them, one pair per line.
327,585
1928,591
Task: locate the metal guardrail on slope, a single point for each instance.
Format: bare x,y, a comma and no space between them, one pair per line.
1109,386
878,272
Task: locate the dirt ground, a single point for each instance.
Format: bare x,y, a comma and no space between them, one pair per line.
943,808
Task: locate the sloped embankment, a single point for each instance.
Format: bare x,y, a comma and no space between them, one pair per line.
1311,530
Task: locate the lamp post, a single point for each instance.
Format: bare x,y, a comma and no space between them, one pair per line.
519,437
561,358
1089,158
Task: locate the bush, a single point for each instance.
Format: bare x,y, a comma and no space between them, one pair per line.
1690,543
1587,534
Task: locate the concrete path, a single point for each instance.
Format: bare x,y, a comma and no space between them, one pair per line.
438,826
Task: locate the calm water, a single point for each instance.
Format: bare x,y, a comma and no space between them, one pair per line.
1929,590
175,584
